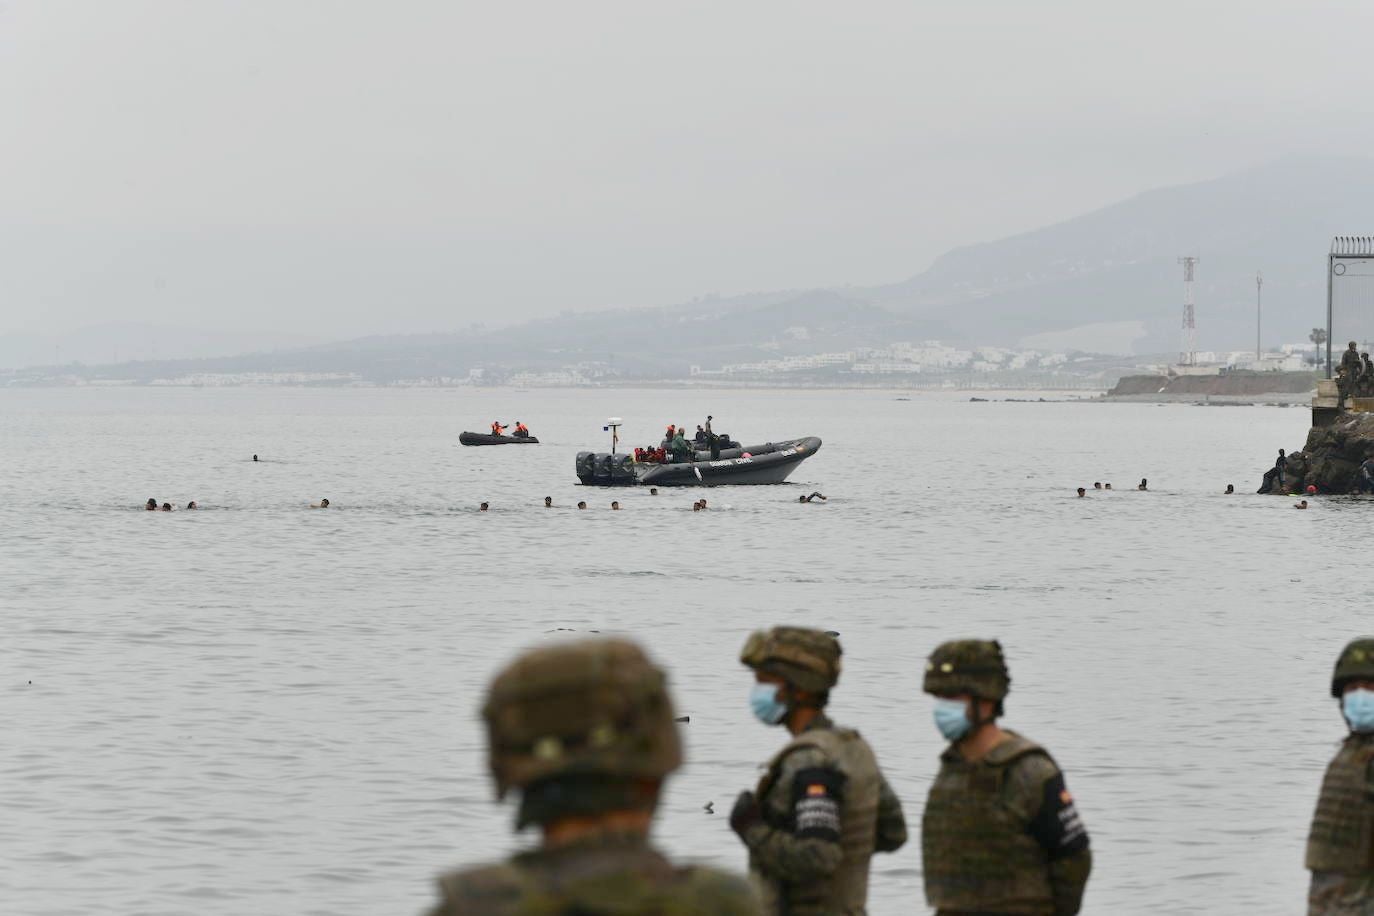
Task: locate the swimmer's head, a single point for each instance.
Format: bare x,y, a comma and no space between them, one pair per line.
581,505
1082,491
1230,488
548,502
191,504
166,507
696,507
324,503
801,499
1097,485
151,504
615,504
653,491
482,508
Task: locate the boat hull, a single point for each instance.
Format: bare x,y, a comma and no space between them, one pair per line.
770,463
467,438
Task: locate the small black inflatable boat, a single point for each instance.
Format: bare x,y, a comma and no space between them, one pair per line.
771,462
487,439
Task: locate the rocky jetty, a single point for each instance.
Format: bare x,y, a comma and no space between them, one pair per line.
1330,460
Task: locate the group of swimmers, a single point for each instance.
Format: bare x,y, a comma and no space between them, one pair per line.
152,506
1144,485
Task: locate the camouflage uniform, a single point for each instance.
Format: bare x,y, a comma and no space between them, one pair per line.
1350,362
1001,834
823,805
583,729
1340,845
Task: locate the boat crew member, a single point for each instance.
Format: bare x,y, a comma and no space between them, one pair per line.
699,439
521,430
1340,845
823,806
668,436
1000,833
681,450
496,428
584,733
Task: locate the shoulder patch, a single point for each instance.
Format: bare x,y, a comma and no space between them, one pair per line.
1057,826
817,794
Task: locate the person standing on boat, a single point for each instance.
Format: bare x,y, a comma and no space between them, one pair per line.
1340,845
712,440
699,440
496,428
680,449
823,806
584,732
1000,832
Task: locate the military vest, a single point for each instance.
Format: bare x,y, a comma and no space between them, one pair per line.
978,855
1342,835
846,891
597,878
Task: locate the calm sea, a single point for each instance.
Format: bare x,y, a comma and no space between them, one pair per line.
258,708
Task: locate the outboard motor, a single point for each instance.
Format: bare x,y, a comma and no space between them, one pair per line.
603,469
586,467
622,469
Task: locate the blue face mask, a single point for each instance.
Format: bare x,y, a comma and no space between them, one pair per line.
1358,706
951,718
763,699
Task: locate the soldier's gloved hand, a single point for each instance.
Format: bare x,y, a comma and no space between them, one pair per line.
745,814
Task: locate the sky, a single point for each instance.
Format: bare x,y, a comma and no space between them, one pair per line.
325,170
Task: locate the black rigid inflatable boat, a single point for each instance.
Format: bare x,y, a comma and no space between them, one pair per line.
487,439
771,462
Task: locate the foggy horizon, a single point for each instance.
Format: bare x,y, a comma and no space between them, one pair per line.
369,172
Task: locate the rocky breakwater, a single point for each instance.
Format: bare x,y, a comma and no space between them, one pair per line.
1330,460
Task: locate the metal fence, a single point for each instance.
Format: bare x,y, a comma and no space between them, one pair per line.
1349,294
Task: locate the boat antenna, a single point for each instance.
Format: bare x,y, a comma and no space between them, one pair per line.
613,427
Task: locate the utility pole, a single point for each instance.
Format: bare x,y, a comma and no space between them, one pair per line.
1188,353
1259,313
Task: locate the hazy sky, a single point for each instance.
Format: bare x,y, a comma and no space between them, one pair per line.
342,168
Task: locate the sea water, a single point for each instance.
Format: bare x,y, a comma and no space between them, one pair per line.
262,708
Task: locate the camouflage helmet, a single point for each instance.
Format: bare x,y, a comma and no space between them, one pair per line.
972,666
1356,663
807,659
591,708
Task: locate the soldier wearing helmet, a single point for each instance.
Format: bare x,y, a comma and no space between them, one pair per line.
1000,833
822,807
1351,363
584,732
1340,845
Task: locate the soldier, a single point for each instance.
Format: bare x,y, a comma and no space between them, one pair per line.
1340,846
585,732
823,807
1000,833
1350,362
1366,376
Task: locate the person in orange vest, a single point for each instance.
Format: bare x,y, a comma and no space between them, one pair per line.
496,428
521,430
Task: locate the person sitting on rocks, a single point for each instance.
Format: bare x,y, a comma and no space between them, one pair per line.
1273,478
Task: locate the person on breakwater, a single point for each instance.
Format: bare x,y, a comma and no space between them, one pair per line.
1082,492
1001,833
814,495
1354,368
1339,853
1273,478
150,505
322,504
1230,489
584,733
822,807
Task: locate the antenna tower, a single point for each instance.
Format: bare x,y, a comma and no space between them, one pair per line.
1188,355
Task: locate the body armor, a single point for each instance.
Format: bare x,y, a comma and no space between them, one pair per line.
845,891
978,856
1342,835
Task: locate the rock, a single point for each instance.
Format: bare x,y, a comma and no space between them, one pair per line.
1330,460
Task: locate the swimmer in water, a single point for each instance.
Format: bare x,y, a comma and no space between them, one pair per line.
255,457
166,507
615,506
1097,485
1143,483
1106,486
814,495
482,508
1300,505
1082,492
150,505
653,491
548,502
696,507
322,504
581,505
192,505
1230,489
703,504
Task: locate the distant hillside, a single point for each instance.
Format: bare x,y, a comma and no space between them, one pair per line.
1119,263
